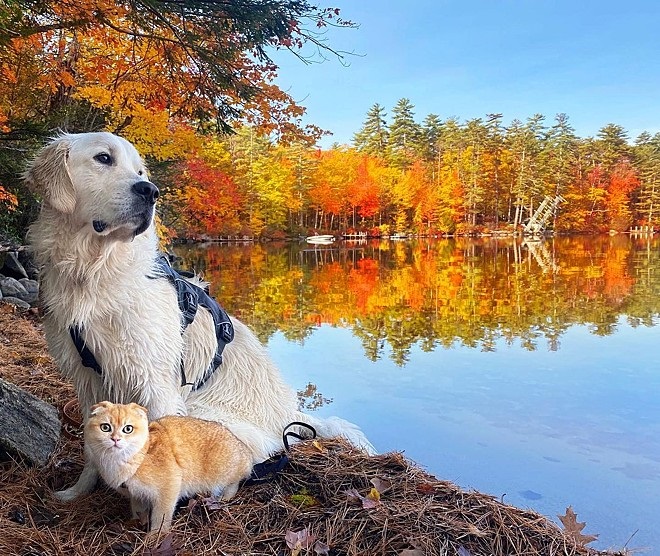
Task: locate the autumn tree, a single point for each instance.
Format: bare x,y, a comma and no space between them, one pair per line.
647,160
215,51
623,180
160,73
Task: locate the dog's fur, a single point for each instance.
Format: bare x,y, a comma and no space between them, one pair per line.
96,246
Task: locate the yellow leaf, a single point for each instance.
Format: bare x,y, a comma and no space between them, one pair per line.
374,494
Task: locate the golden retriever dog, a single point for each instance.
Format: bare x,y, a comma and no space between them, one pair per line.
96,246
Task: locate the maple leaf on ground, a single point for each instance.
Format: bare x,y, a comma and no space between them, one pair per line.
573,528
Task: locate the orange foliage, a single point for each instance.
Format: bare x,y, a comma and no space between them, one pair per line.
209,199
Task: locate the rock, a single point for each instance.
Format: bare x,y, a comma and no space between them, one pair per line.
29,427
15,301
32,289
10,287
26,258
12,266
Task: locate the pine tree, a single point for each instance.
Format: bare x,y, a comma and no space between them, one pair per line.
405,135
372,139
430,138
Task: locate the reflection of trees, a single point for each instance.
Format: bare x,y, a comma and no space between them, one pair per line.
310,398
476,293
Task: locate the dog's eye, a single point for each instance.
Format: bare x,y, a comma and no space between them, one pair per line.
105,427
128,429
103,158
140,172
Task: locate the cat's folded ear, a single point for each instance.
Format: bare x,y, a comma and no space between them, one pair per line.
99,406
139,408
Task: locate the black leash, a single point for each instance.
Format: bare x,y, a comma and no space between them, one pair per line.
268,470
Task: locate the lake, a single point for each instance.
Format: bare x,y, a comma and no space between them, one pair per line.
526,370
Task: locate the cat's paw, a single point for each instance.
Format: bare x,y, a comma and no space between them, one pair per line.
66,495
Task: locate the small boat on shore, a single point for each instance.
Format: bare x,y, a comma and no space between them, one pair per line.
320,239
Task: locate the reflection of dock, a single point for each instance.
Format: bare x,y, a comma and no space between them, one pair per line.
538,249
324,254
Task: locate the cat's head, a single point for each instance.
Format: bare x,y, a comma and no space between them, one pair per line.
116,429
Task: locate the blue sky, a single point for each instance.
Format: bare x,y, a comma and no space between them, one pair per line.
598,62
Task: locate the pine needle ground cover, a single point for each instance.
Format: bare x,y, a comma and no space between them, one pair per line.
331,500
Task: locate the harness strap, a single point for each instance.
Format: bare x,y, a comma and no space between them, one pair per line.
268,470
86,355
189,297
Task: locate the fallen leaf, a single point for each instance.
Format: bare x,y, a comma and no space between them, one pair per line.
381,485
374,494
166,548
425,488
297,540
321,548
319,446
213,503
573,528
353,496
368,502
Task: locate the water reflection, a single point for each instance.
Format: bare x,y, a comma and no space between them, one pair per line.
533,367
436,293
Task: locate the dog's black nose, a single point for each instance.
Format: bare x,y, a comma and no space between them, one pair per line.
147,190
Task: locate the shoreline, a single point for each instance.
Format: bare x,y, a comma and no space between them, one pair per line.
311,493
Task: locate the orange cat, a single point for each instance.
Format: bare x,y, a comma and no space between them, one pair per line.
162,461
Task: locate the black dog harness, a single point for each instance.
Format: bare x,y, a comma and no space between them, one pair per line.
189,297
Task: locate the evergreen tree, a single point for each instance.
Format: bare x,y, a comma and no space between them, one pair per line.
612,145
405,135
494,146
430,138
372,139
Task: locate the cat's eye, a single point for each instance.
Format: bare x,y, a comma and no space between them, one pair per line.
128,429
105,427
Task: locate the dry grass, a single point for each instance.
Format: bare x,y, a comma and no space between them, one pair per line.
419,515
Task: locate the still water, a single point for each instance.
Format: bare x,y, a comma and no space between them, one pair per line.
530,371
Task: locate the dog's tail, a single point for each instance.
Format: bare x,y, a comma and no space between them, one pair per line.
330,427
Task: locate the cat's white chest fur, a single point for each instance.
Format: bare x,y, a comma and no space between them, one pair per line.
117,467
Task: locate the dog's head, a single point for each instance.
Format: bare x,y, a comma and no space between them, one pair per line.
97,178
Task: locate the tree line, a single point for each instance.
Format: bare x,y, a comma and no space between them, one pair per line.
434,177
191,84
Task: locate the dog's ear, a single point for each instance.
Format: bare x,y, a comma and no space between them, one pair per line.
48,175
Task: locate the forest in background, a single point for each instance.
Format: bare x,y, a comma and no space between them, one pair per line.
191,84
